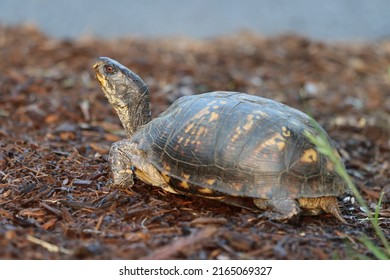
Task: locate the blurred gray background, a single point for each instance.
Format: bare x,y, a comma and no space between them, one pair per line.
331,20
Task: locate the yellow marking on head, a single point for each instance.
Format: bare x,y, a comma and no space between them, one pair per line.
211,181
309,156
286,132
180,139
250,122
214,116
101,80
205,190
184,185
189,127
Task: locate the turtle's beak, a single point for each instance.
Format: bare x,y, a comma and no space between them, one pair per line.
96,65
98,74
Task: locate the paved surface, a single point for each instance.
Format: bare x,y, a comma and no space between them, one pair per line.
329,20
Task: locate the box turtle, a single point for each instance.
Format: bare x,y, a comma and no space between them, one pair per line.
234,147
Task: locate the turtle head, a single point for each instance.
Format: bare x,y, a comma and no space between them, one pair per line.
120,85
126,92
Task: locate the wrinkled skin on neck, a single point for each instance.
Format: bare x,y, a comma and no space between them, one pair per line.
126,92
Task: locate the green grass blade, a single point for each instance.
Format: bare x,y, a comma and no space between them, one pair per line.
377,252
322,144
378,207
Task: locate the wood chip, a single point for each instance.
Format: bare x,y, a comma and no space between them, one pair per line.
48,246
80,182
170,250
205,221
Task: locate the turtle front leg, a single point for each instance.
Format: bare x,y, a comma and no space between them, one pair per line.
278,209
127,160
121,164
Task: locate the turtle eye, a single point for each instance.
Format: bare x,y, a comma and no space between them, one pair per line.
109,69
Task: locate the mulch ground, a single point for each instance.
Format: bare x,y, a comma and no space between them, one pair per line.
56,128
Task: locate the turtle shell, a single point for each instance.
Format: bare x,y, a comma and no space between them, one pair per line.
224,143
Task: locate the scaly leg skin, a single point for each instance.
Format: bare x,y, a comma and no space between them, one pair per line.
278,209
121,165
127,161
327,204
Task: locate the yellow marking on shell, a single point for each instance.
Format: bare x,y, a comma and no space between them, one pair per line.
276,140
237,134
205,190
215,107
205,111
212,102
167,168
202,130
249,123
261,113
273,141
188,140
281,145
165,177
181,139
309,156
286,132
211,181
214,116
184,185
189,127
237,187
223,102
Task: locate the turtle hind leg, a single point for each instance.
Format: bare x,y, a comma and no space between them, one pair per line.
330,205
278,209
327,204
